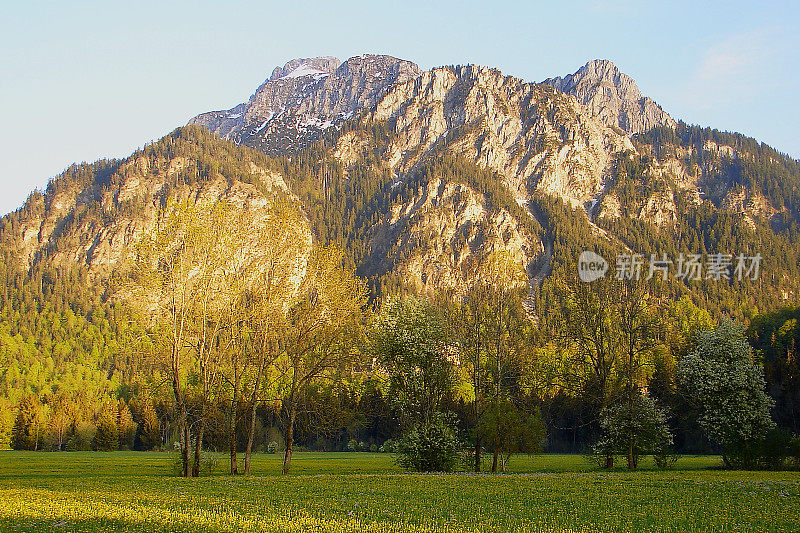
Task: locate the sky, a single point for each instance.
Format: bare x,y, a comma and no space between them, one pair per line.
85,80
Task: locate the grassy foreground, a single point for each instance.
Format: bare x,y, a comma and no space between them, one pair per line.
130,491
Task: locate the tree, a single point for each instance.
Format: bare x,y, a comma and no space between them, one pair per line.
272,284
125,426
634,428
148,426
609,330
719,376
416,351
494,333
411,340
107,437
180,282
323,324
640,330
585,326
775,338
29,425
510,430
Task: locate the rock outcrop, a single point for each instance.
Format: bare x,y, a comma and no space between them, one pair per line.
612,96
304,98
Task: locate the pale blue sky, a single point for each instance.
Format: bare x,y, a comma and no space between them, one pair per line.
84,80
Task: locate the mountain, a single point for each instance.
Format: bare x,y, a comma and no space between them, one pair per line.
90,216
305,97
419,175
612,96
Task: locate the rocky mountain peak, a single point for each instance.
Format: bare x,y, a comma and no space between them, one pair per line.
306,66
604,73
305,97
612,96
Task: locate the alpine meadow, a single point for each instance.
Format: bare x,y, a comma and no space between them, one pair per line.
380,297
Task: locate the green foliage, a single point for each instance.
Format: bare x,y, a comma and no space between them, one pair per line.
107,437
775,338
719,375
634,428
431,446
509,430
409,336
29,425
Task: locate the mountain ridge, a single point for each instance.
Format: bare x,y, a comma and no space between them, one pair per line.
419,174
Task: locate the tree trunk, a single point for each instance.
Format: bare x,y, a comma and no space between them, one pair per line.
198,447
251,429
186,442
232,428
477,454
631,458
287,457
609,462
495,458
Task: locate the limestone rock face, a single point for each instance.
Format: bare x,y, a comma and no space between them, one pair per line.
96,224
612,96
306,97
534,136
432,237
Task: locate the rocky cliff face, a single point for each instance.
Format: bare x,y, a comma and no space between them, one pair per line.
435,237
91,217
612,96
535,137
305,97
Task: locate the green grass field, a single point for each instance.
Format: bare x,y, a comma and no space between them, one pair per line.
131,491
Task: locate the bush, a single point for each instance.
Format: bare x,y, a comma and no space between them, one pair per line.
600,455
272,447
665,458
388,446
430,447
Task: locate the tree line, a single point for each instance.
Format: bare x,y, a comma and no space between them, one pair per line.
229,321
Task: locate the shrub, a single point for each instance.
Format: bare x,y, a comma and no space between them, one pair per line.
272,447
388,446
773,450
665,458
430,447
632,429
